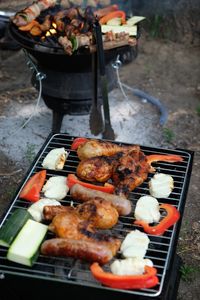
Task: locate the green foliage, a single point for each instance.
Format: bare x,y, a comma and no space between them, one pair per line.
155,26
168,134
30,152
198,110
187,272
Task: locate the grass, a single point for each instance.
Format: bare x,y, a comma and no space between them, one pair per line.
187,272
198,110
30,153
168,134
155,26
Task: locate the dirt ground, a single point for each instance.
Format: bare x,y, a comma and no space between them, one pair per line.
167,70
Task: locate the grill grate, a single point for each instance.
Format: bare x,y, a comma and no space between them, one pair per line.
76,272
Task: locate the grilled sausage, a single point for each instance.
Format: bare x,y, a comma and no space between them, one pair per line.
86,250
122,204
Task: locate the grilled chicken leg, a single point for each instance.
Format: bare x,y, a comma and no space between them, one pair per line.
77,238
93,148
99,212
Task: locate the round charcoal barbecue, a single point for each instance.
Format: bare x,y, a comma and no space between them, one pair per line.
68,84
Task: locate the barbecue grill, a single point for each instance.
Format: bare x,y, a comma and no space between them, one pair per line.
68,84
61,275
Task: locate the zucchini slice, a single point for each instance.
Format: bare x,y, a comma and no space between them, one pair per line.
25,247
13,225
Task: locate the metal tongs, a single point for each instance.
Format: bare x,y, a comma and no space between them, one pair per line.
108,132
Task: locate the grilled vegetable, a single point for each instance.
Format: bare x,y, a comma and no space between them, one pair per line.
131,30
107,187
135,244
24,249
130,266
36,209
115,14
55,159
146,280
56,188
13,225
171,218
161,185
31,190
77,142
147,209
114,22
134,20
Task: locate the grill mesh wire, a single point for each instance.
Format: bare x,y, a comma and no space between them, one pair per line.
77,272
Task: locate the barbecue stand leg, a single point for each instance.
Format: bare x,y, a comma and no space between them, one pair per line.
57,121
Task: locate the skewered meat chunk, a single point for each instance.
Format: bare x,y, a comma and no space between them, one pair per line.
86,250
66,43
93,148
100,213
32,12
121,203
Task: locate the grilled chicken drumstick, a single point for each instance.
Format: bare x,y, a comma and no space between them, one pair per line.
92,148
98,168
77,238
100,213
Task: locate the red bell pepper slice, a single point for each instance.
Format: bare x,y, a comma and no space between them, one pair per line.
31,190
77,142
114,14
107,187
171,218
146,280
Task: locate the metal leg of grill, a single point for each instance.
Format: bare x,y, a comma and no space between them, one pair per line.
57,121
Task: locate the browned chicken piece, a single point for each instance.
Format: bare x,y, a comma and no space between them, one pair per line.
121,203
87,250
92,148
50,211
69,225
133,170
98,168
100,213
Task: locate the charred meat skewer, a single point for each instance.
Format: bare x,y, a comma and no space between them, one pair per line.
30,13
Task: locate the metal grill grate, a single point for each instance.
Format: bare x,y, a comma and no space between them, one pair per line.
77,272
